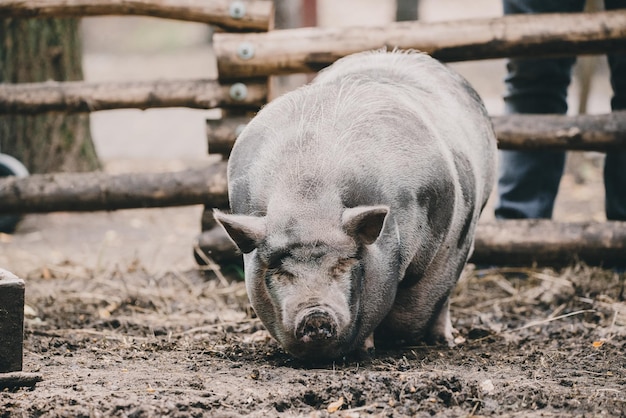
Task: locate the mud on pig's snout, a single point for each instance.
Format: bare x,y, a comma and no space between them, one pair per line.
316,327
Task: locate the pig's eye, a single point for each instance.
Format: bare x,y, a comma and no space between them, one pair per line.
275,263
280,278
275,259
343,266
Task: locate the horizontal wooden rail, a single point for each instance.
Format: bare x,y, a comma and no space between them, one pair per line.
310,49
100,191
520,242
545,242
557,132
243,15
80,96
511,242
520,132
223,132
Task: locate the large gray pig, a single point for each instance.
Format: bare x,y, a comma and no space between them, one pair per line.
355,199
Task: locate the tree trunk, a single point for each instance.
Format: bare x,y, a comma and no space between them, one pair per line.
34,50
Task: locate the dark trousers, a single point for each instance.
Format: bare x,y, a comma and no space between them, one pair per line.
529,180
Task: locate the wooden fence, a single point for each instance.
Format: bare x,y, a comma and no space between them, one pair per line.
246,60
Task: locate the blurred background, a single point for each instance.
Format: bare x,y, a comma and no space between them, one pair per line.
134,48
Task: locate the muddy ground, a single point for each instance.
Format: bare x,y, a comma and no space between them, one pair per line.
128,343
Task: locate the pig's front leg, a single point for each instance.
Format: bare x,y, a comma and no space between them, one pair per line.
441,331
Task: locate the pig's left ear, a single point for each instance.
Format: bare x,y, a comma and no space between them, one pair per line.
245,231
364,223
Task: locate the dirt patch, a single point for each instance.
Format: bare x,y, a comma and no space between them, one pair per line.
129,343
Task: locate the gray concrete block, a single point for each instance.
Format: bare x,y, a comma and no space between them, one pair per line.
11,322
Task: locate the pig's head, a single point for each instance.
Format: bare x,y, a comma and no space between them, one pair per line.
305,277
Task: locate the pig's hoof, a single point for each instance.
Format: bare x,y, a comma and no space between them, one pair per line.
442,338
367,351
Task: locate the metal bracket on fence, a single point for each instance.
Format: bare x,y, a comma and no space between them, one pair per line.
238,91
245,50
237,10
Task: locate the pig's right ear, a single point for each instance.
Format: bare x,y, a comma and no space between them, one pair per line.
245,231
364,223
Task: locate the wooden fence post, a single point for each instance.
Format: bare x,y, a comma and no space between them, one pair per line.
12,334
11,322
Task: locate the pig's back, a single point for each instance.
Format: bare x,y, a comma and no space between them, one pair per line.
369,130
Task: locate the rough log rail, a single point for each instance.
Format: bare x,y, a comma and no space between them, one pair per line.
222,133
545,242
522,132
310,49
255,15
501,242
581,133
511,242
80,96
100,191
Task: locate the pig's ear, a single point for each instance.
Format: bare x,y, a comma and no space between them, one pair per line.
245,231
364,223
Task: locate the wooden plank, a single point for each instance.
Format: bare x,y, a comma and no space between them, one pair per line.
255,15
101,191
311,49
80,96
11,322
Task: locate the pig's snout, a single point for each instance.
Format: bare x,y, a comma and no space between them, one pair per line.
317,326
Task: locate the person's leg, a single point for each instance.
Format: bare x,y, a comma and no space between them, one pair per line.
528,180
615,164
528,183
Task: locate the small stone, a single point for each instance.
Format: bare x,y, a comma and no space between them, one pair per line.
487,386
